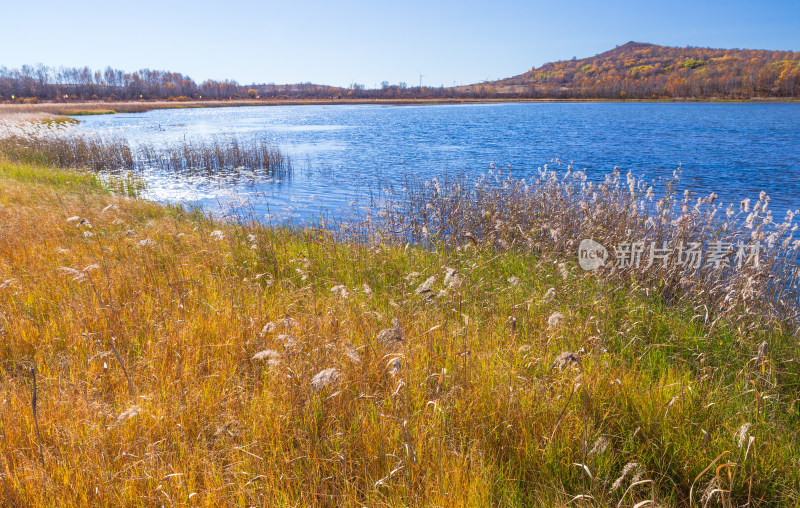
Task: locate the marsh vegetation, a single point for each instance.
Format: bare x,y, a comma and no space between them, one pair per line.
54,144
445,351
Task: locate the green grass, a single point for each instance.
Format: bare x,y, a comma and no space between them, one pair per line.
476,416
125,184
87,112
30,174
59,121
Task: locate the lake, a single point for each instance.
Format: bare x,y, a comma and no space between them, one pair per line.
345,153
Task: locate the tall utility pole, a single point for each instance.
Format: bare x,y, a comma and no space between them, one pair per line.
420,79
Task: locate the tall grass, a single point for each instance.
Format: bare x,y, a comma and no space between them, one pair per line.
556,210
185,361
56,145
217,155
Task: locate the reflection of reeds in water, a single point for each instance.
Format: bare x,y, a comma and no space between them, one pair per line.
58,146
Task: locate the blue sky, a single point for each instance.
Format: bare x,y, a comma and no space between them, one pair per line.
371,41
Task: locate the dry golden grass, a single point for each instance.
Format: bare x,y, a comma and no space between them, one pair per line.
257,376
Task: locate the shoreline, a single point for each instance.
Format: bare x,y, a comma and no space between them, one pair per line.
60,110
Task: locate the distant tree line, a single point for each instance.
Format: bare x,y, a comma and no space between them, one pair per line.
34,83
631,71
82,83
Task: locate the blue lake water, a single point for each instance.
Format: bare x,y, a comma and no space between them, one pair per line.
342,153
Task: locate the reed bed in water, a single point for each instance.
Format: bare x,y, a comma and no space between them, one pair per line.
216,154
56,145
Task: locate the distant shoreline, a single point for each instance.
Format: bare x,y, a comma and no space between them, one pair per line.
56,110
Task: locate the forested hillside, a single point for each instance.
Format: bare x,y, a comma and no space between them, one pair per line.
646,71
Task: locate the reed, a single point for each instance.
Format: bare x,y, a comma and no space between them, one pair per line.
216,155
277,366
555,210
57,145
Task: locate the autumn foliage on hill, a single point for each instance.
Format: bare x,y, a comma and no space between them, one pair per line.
646,71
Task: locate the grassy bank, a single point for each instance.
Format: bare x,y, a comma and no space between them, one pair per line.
181,361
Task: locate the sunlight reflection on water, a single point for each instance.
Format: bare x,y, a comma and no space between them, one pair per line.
343,153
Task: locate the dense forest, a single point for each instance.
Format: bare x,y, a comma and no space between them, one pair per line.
631,71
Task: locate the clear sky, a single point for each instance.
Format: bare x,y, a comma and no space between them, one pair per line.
367,42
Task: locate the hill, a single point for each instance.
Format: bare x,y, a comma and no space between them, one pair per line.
647,71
